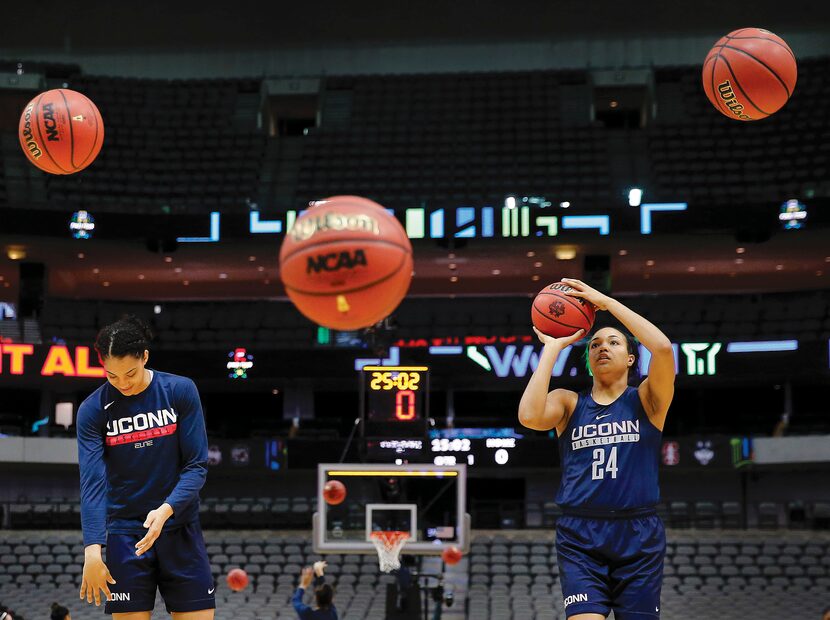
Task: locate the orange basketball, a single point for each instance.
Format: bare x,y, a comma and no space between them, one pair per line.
334,492
237,579
559,315
61,131
346,263
451,555
749,74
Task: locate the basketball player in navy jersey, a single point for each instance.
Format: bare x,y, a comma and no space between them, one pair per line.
142,452
610,542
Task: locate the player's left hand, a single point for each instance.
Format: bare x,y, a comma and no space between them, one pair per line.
587,293
154,522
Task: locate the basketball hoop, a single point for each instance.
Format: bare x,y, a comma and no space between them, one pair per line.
389,545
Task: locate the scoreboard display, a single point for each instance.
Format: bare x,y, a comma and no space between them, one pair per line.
394,401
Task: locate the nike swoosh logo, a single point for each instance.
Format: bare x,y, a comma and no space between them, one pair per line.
211,590
107,406
604,415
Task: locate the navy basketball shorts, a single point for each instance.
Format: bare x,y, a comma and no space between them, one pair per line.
177,564
611,564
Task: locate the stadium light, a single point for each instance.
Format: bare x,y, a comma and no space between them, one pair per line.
635,196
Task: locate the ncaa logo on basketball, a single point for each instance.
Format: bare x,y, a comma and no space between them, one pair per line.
28,136
728,96
335,261
306,228
49,123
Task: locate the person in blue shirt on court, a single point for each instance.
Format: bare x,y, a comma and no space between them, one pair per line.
142,453
323,595
610,542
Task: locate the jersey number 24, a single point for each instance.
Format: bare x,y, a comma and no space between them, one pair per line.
597,470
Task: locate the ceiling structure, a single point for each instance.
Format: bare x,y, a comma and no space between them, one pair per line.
155,25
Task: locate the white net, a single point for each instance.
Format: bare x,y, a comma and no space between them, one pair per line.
388,545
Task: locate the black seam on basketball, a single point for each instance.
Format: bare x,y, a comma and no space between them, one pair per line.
557,321
760,62
95,140
738,85
71,132
736,32
778,43
372,241
573,301
42,141
351,290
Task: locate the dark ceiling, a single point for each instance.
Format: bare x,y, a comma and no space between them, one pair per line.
99,25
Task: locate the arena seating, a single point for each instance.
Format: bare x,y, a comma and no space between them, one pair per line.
172,144
512,575
190,146
278,325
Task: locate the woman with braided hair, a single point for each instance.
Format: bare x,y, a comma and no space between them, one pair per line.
142,451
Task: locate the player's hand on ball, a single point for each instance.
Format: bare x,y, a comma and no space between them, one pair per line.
96,576
560,343
154,522
319,567
587,293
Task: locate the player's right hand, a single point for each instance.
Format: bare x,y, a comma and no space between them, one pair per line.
95,580
319,567
559,343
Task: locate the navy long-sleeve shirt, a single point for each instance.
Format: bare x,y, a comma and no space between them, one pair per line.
137,452
307,613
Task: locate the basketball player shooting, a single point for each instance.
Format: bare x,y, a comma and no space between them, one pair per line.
610,542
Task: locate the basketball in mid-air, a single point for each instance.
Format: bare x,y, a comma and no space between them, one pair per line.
237,579
559,315
749,74
334,492
346,263
61,131
451,555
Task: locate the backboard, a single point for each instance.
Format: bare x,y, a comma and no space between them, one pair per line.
428,501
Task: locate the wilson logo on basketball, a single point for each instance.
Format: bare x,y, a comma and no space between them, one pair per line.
49,123
28,136
728,96
305,228
557,309
335,261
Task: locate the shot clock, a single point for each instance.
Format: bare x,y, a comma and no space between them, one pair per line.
394,401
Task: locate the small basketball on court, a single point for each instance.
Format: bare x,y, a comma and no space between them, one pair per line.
559,315
749,74
451,555
334,492
61,131
237,579
346,263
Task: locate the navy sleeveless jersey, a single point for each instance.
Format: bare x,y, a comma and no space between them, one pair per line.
609,456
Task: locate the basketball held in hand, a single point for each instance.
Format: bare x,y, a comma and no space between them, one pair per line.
559,315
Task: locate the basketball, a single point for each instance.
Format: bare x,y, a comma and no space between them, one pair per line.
237,579
334,492
346,263
749,74
559,315
61,131
451,555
